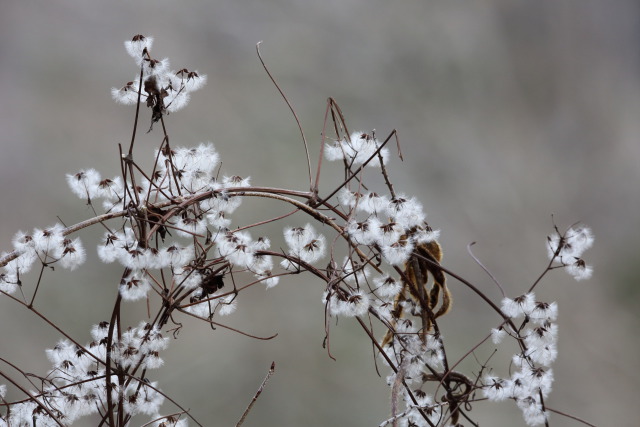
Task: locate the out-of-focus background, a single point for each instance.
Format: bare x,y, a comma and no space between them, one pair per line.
507,112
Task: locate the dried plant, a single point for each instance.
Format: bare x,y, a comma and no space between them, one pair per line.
170,230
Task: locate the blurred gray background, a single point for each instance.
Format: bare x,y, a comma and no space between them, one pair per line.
507,112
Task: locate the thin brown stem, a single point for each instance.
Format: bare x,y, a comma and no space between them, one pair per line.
304,140
486,270
255,397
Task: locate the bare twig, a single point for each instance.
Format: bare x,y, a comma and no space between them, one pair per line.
486,270
255,397
304,140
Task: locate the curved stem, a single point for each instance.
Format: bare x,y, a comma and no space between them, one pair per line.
295,116
486,270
